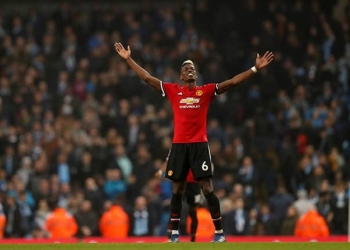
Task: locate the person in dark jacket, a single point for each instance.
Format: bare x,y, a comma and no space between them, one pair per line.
288,224
236,222
268,221
140,219
94,195
87,220
13,227
279,203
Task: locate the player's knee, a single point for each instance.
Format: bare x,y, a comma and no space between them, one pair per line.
206,186
178,187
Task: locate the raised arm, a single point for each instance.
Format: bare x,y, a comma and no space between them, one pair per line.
260,62
142,73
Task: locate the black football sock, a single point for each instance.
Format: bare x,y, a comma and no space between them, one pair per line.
214,208
169,229
194,224
175,210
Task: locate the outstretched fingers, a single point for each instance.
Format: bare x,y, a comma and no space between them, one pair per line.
268,56
118,46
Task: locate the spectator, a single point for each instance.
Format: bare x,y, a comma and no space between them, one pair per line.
324,207
205,225
41,214
141,223
3,182
237,221
313,196
9,162
49,142
26,213
114,223
302,204
25,171
86,168
87,220
151,193
270,224
94,195
165,196
134,128
114,185
288,224
339,206
13,215
304,173
64,196
311,224
2,222
248,177
215,132
74,202
123,161
237,192
60,224
37,233
39,185
63,170
279,203
253,221
142,170
20,188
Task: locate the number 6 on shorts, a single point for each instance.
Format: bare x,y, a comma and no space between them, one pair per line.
205,167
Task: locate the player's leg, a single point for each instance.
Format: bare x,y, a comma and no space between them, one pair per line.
193,197
202,169
194,222
177,170
169,229
176,205
214,207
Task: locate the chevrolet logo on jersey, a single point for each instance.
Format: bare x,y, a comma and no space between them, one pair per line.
189,100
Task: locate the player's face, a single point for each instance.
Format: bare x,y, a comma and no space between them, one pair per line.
188,73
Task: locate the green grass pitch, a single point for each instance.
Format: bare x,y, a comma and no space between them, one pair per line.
186,246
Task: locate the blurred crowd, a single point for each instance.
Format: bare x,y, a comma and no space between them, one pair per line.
81,137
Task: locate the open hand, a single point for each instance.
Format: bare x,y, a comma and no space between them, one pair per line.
262,62
122,51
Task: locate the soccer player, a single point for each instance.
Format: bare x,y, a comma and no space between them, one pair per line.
190,148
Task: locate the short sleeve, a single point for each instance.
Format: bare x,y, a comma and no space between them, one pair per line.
167,88
212,88
162,88
216,91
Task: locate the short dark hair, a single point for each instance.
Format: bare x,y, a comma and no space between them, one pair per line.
52,203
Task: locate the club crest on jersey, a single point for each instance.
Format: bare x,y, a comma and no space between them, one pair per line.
170,173
199,92
189,100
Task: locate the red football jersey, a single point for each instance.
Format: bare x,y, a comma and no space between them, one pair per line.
190,108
